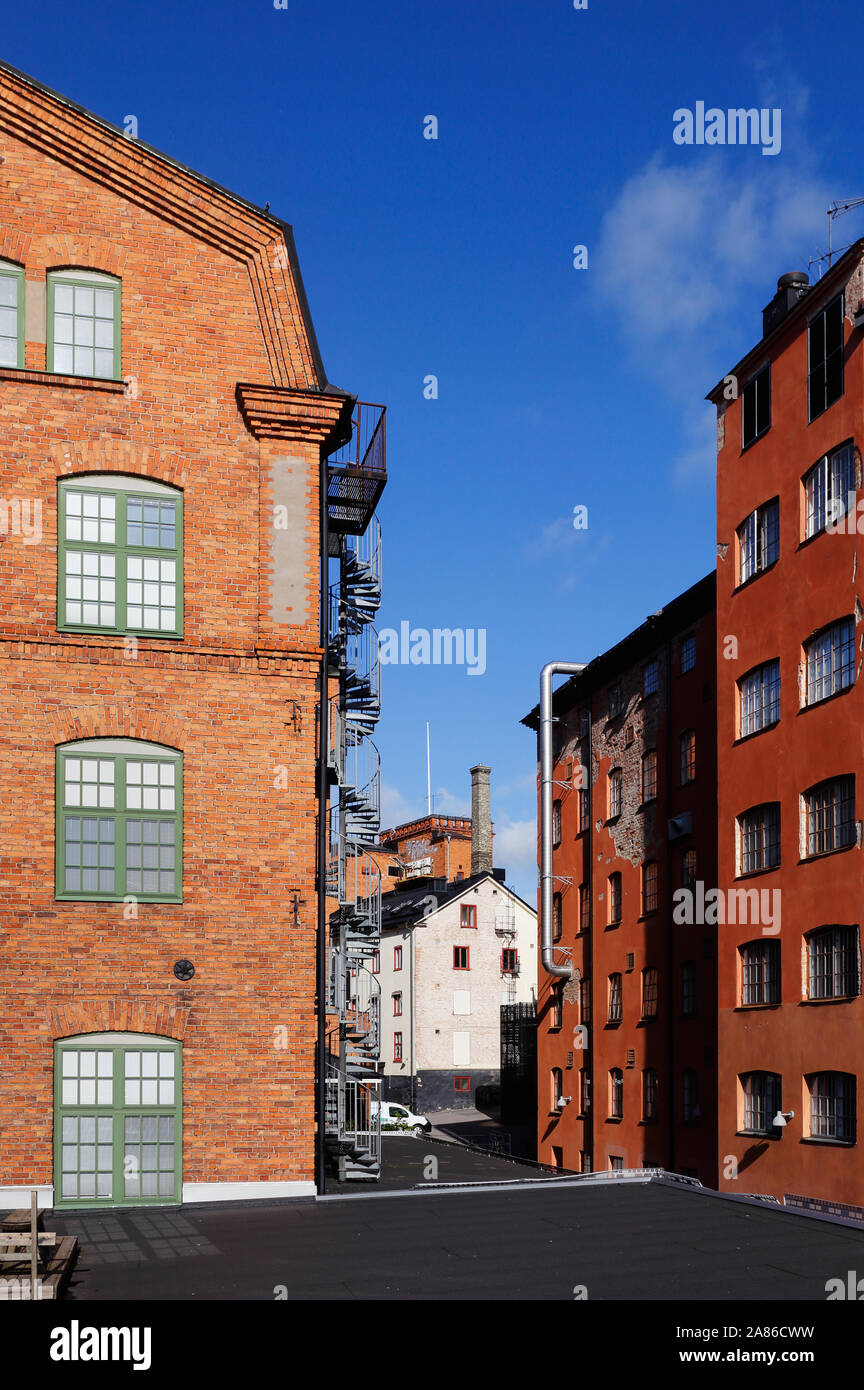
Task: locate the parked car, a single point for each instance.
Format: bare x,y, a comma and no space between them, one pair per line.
399,1117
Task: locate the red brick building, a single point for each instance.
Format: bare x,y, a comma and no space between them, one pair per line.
165,413
791,744
430,847
626,1043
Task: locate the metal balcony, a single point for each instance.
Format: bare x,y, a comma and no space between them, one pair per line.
357,472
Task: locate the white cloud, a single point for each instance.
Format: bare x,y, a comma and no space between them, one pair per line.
689,253
686,249
395,808
515,849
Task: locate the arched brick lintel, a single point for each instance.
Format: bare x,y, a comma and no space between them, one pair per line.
119,1015
117,721
59,252
14,245
107,455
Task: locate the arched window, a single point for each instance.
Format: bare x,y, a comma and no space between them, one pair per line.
832,1106
119,821
11,314
117,1120
616,787
762,1099
557,1087
833,967
614,910
649,1093
688,756
616,1094
649,775
120,556
84,323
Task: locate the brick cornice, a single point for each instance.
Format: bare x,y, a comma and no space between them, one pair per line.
102,154
27,376
273,412
119,1014
289,661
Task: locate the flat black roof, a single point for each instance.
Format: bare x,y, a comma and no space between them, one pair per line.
678,613
409,900
620,1239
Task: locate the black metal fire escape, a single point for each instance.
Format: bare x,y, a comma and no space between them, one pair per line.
356,478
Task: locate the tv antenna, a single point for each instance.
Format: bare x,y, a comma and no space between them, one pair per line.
836,209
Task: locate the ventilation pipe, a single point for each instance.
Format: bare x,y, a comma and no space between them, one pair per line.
547,765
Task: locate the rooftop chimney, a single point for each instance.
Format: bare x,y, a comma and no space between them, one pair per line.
790,288
481,821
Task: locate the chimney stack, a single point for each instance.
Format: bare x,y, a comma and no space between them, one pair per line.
481,821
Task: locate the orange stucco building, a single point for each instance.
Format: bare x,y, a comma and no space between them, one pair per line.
791,746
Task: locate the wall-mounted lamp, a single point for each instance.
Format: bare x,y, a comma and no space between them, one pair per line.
781,1119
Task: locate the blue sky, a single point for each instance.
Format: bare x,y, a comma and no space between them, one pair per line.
453,258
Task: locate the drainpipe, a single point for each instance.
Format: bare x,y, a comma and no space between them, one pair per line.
589,1125
547,766
671,982
411,934
323,752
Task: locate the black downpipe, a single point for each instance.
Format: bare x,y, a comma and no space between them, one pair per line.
671,982
321,971
590,1067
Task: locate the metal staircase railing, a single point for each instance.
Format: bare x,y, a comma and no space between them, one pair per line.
353,878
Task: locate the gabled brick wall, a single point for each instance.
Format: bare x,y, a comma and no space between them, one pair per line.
209,300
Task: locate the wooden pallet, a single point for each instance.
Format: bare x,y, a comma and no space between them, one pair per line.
19,1232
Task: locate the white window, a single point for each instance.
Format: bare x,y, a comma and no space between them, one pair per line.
758,541
759,838
11,315
84,324
832,1106
759,697
461,1049
461,1001
829,811
830,658
829,490
616,784
762,1100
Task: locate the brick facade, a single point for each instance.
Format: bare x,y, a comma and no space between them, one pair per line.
607,722
222,397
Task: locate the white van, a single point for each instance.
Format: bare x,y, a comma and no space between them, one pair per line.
397,1119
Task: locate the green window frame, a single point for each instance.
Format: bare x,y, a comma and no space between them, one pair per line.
83,330
119,557
11,314
118,1121
119,821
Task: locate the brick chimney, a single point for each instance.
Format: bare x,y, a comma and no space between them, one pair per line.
481,821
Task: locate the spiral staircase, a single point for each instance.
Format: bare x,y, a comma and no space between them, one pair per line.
352,1125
